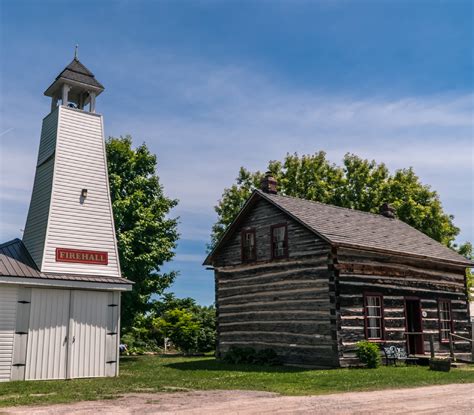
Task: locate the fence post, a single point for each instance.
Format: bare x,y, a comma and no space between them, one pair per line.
451,347
432,353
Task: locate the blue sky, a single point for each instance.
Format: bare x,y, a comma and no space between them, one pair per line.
213,85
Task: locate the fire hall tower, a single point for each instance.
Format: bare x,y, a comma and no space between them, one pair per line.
60,285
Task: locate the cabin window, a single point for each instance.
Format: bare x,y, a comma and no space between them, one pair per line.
249,246
279,241
445,320
373,305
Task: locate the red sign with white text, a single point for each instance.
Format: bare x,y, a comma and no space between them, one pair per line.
81,256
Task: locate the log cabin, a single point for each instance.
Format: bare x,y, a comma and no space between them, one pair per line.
310,280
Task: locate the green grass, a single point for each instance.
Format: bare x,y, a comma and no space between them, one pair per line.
155,374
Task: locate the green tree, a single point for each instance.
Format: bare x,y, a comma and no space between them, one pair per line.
358,184
205,316
146,236
466,250
144,335
181,327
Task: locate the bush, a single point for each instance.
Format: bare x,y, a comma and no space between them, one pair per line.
248,355
267,357
369,354
138,338
239,355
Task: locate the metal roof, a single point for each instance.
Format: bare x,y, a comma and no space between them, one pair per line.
15,261
353,228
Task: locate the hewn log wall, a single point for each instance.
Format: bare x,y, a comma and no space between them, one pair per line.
284,304
396,278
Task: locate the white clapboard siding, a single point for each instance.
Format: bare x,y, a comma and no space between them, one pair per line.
48,334
88,333
8,304
80,163
37,219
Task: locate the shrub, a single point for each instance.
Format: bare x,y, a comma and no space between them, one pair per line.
369,354
239,355
267,357
138,341
242,355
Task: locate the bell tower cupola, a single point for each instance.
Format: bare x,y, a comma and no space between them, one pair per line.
75,87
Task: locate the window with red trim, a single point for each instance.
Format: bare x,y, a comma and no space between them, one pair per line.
249,245
373,314
445,320
279,241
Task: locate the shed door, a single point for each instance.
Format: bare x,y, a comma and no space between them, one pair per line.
46,356
88,333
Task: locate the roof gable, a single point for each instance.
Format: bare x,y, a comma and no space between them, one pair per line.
352,228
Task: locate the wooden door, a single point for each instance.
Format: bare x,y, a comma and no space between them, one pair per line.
414,326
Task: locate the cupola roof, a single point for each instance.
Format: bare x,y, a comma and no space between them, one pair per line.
75,74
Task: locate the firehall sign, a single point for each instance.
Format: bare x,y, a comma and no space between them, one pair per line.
81,256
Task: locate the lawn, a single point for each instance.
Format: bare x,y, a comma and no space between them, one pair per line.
156,374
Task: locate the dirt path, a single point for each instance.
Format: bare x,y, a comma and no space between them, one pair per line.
455,399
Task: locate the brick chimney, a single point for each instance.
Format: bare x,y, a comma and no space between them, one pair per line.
387,211
269,184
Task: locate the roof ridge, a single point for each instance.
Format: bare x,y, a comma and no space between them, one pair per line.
331,205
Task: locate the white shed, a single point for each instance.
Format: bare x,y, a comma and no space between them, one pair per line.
60,286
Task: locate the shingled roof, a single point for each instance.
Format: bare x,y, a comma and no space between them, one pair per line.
353,228
77,74
76,71
15,261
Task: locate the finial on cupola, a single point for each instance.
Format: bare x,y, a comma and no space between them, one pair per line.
76,50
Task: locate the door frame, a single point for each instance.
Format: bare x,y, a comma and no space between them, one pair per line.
421,343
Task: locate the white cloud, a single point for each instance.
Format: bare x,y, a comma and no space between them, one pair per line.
188,258
204,122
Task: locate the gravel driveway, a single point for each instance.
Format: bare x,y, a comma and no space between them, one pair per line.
455,399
